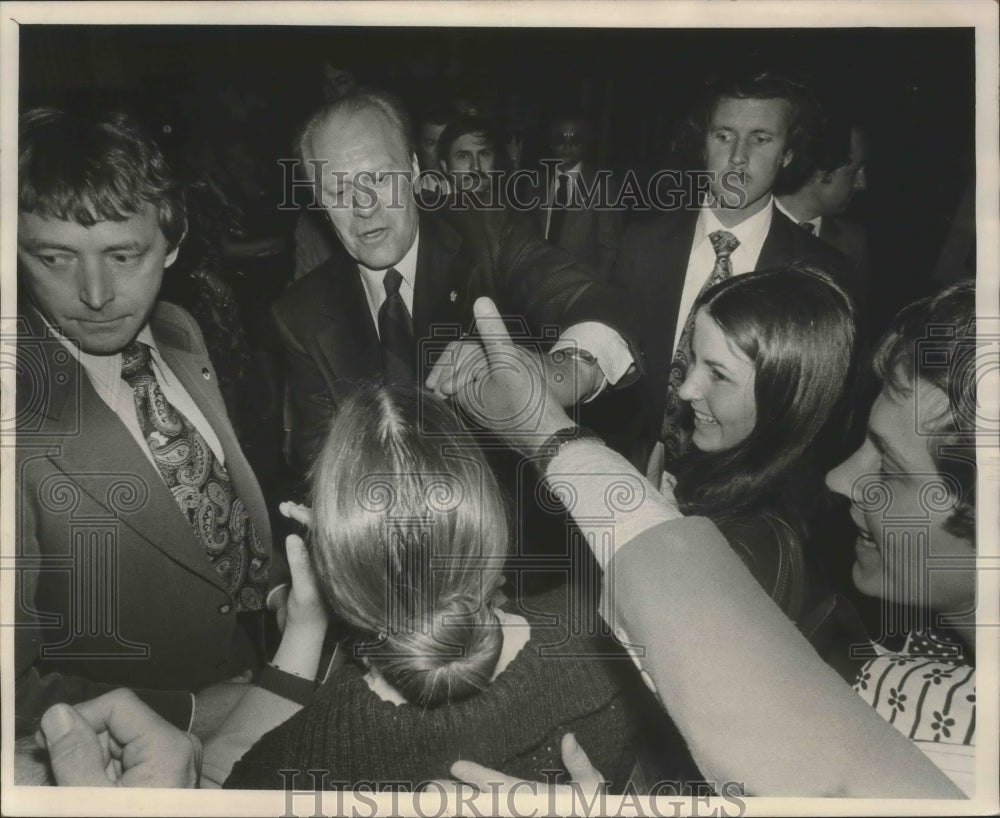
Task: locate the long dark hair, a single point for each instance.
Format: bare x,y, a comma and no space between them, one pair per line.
797,327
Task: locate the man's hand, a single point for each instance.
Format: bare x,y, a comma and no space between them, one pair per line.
505,389
116,740
582,773
460,364
569,378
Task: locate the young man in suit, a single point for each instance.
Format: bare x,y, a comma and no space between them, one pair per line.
831,172
746,132
143,547
408,277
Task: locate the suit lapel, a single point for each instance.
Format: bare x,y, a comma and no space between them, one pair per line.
674,254
91,446
347,341
439,289
782,243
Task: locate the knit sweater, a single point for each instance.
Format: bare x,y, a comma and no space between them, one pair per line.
560,681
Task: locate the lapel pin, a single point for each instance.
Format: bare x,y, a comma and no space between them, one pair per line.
206,374
453,296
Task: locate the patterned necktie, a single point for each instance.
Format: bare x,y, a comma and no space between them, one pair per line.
559,206
809,227
674,432
395,329
199,483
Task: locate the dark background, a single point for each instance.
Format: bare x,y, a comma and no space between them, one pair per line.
913,88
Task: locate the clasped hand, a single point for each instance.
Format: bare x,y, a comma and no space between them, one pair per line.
116,740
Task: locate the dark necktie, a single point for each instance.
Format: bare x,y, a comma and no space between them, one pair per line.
199,483
559,206
395,329
809,227
674,433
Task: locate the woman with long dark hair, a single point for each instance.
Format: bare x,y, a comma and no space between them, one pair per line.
772,353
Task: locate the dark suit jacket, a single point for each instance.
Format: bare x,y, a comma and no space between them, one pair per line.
590,234
330,338
849,238
651,268
114,588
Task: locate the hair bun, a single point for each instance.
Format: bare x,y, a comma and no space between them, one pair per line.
448,661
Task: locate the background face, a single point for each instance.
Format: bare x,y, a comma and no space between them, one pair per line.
566,141
366,192
720,386
899,514
472,154
97,284
747,135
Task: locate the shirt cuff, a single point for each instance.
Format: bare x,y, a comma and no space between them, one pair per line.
271,593
606,345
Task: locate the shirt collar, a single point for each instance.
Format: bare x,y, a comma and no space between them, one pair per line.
816,223
406,267
749,231
105,370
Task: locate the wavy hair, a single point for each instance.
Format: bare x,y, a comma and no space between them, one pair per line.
410,537
797,327
87,168
934,340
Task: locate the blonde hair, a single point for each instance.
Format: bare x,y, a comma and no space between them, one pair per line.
409,541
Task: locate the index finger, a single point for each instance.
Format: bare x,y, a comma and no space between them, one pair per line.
490,326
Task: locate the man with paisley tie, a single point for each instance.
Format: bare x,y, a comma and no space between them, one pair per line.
744,133
143,547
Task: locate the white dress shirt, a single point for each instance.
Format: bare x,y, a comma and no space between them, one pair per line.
373,281
750,233
105,375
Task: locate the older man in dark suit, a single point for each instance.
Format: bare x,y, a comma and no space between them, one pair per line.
143,546
746,131
407,278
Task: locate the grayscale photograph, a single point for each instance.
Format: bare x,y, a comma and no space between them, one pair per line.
500,408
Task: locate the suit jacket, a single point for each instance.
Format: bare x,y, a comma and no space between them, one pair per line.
590,234
114,588
331,342
849,238
651,268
